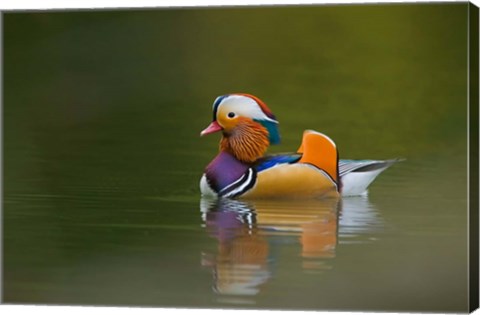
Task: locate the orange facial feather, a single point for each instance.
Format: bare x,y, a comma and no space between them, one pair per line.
248,141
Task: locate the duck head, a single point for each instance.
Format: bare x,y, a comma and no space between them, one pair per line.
247,125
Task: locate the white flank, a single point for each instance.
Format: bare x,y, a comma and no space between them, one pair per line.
356,184
205,188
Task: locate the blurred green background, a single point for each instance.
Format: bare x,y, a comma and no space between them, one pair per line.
102,155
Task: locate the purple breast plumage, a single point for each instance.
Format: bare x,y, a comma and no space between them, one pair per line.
228,176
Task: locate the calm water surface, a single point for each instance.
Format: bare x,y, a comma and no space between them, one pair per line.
102,113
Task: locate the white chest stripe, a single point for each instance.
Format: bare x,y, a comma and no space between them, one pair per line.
240,189
233,184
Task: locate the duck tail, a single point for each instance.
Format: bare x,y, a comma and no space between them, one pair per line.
357,175
319,150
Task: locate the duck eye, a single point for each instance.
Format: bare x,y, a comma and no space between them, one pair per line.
231,114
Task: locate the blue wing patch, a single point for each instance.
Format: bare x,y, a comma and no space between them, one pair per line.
272,160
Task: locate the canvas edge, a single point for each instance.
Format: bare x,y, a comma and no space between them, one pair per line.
473,132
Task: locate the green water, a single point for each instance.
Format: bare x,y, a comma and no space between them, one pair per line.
102,157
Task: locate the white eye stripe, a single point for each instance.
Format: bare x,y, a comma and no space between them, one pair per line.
244,106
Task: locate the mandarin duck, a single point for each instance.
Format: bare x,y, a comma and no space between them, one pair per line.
241,168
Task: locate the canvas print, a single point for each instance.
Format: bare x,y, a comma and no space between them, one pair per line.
314,157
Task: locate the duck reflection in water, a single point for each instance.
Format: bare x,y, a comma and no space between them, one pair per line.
250,236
